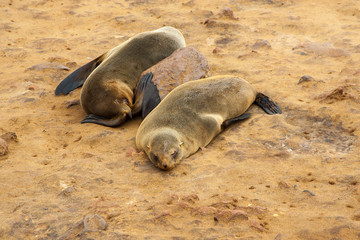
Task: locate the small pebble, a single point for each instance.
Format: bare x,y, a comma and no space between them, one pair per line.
260,44
306,78
42,66
217,50
3,147
94,223
9,136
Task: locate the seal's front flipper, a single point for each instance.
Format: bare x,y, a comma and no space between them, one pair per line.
151,97
78,77
139,92
228,122
268,105
108,122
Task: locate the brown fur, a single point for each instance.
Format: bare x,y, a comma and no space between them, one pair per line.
108,91
191,116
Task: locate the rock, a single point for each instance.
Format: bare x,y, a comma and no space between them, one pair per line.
71,103
47,44
306,78
45,66
9,136
222,19
278,237
338,94
90,223
125,19
227,13
189,3
207,210
3,147
261,44
254,224
94,223
228,215
323,49
131,152
182,66
217,50
67,191
163,214
284,185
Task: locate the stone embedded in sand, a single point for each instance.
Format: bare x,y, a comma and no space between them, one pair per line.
94,223
261,44
228,13
47,44
9,136
90,223
46,66
222,19
189,3
306,78
283,184
338,94
131,152
163,214
207,210
67,191
216,50
3,147
125,19
254,224
228,215
322,49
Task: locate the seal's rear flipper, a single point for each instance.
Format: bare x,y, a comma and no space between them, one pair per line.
228,122
268,105
149,93
78,77
108,122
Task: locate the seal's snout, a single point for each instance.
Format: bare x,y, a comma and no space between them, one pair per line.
127,110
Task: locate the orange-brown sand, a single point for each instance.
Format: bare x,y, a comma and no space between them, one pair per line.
289,176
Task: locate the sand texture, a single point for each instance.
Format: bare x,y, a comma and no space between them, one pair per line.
289,176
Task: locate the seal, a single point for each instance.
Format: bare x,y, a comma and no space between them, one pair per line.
183,65
191,115
109,81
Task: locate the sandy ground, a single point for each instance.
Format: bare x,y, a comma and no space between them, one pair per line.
289,176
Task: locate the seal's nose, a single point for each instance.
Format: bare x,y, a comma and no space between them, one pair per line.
165,166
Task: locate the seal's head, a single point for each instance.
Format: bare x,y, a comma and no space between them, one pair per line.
165,150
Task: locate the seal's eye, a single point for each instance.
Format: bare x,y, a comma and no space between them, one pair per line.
174,154
153,157
126,102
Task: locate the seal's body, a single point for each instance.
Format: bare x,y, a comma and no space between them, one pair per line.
193,114
110,80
